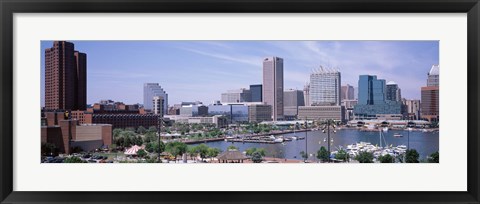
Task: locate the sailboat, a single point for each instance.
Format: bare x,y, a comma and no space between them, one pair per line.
384,140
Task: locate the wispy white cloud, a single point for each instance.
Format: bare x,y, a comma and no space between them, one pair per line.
249,60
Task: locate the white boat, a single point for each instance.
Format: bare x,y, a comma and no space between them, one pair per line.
397,135
294,138
385,129
402,147
278,139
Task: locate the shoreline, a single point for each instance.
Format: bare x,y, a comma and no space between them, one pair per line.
431,130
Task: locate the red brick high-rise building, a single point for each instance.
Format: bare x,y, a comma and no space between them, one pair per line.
81,80
429,105
65,77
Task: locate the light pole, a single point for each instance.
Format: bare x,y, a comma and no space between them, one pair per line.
306,140
327,124
408,137
159,129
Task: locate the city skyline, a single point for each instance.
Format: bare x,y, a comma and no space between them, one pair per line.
117,70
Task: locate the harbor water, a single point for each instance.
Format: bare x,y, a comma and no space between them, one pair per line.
425,143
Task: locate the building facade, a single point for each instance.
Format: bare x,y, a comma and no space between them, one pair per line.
325,87
158,106
218,120
272,87
433,76
372,100
348,92
259,113
236,96
123,120
66,133
292,99
149,91
393,92
256,91
413,109
235,113
430,108
321,113
65,77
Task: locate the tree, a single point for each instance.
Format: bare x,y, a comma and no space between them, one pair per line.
250,151
152,129
117,132
202,149
192,152
434,157
153,147
411,156
176,148
73,160
257,157
261,151
48,149
138,140
231,147
141,130
342,155
303,155
120,141
141,153
213,152
150,137
130,129
386,159
364,157
129,138
323,154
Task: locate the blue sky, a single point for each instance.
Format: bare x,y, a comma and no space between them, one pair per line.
202,70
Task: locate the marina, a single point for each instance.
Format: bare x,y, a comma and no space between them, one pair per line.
425,143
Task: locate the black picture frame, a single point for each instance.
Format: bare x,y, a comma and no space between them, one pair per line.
10,7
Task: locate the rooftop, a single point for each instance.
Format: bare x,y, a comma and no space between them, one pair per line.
435,70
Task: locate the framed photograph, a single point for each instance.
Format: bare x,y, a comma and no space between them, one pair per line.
234,101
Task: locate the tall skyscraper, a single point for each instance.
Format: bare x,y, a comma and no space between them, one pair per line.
393,92
325,87
149,91
348,92
372,100
256,91
434,76
65,77
371,91
431,95
81,80
272,87
430,103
